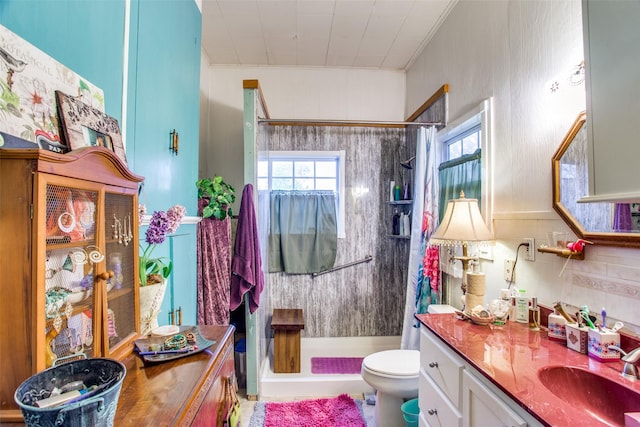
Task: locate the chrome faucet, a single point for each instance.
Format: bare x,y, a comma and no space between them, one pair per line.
630,370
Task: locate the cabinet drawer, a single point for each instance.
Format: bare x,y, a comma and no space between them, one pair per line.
482,408
435,407
442,367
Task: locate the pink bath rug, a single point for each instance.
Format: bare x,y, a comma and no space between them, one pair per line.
336,365
341,411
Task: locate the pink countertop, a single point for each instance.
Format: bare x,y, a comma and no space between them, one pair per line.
510,357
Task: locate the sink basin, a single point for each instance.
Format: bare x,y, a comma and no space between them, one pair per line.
600,397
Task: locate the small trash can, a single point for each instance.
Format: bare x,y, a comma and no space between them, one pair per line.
411,413
97,408
240,358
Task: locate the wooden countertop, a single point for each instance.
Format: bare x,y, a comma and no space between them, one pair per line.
510,356
161,393
157,392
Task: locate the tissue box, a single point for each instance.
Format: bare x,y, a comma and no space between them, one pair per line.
599,343
577,338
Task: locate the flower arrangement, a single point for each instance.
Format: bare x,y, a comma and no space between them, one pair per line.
156,270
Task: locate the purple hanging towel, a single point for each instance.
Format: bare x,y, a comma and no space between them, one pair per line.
246,265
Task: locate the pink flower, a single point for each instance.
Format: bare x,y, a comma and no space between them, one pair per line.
175,215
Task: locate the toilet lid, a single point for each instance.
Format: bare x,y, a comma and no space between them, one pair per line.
394,362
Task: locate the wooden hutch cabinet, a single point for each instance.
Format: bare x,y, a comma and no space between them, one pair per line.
68,261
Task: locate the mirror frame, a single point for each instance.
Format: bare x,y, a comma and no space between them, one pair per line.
631,240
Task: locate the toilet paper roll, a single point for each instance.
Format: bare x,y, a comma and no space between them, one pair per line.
473,300
476,283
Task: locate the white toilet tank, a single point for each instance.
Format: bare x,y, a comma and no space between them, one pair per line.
440,309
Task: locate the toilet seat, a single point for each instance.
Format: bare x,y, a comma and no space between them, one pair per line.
393,363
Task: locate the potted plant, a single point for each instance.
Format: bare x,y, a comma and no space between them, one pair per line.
220,195
155,271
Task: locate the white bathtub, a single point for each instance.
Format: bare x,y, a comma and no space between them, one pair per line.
307,384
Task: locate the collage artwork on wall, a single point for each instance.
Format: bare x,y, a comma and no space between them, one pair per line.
46,105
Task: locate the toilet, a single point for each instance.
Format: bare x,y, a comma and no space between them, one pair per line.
394,375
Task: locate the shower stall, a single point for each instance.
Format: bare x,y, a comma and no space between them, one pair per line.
356,310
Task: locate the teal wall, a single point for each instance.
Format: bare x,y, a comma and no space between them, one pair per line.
162,94
85,36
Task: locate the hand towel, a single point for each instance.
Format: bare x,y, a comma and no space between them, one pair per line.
246,266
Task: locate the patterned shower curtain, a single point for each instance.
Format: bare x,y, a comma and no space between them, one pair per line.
214,269
423,278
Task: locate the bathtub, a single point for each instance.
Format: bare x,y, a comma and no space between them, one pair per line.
313,385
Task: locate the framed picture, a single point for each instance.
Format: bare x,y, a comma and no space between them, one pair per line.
84,126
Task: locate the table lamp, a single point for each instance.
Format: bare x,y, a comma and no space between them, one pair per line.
462,225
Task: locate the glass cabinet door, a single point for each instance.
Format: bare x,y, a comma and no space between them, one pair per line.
71,257
89,271
120,251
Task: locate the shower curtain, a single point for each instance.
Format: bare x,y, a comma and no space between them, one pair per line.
423,276
214,268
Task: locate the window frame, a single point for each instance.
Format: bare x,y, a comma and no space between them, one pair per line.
301,155
481,114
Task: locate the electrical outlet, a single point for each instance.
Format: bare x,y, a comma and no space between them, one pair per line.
509,273
531,250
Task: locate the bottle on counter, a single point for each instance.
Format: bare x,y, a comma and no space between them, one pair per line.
534,315
522,307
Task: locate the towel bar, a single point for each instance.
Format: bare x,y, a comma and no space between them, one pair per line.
340,267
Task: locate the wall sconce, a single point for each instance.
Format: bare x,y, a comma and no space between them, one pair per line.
575,77
173,142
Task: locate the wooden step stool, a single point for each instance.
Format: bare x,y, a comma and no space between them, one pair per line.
287,323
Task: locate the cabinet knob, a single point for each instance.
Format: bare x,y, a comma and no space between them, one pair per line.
105,275
433,364
432,411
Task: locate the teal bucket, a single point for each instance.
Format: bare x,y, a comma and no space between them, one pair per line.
410,412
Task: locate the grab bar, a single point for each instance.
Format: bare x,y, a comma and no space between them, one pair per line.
340,267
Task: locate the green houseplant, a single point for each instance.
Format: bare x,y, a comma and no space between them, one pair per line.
220,194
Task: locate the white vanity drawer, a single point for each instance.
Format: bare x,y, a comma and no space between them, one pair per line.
435,407
442,367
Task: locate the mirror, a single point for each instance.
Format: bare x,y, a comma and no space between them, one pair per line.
612,224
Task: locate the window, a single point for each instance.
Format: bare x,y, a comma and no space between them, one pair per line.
305,171
461,139
465,142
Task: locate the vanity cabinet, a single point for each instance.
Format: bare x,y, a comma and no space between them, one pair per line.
69,256
439,384
612,65
482,407
453,393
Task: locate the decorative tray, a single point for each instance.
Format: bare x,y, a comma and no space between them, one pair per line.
164,348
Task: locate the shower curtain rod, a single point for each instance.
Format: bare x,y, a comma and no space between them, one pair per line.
348,122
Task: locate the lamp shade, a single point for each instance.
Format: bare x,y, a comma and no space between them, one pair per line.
462,224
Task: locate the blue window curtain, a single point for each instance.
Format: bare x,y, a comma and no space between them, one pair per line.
461,174
303,235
